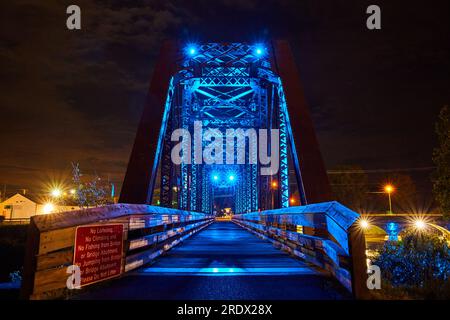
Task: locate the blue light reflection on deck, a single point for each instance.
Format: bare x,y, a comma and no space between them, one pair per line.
224,271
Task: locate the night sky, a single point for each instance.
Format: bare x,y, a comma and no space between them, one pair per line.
77,95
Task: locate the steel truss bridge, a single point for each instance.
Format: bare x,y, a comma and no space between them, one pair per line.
225,86
220,86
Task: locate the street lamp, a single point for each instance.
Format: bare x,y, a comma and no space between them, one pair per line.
364,223
56,193
420,224
389,189
48,208
273,187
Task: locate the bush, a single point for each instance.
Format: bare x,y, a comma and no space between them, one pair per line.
15,276
12,249
419,266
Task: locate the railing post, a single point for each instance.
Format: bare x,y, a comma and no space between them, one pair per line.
357,250
29,269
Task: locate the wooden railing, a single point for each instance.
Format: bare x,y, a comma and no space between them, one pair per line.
148,231
324,234
14,221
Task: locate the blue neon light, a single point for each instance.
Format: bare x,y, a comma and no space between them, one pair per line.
215,177
191,50
259,51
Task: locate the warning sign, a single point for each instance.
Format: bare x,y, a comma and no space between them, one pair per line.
98,252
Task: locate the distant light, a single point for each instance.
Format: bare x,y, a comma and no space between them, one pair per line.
191,50
215,177
292,201
48,208
389,188
274,184
420,224
56,193
364,224
73,191
259,51
231,177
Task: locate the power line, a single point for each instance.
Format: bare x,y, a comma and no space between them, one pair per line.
381,170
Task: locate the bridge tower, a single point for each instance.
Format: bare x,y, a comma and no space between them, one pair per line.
225,86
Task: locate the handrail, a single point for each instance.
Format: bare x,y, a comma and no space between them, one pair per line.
148,231
345,261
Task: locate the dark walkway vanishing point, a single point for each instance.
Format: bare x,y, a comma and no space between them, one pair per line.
223,262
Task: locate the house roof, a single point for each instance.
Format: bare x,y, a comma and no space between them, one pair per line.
22,197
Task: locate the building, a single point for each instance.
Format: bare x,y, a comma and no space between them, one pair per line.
19,207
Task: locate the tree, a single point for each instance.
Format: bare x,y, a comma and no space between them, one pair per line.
349,184
92,193
441,158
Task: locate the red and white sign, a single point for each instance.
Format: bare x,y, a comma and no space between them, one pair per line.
98,252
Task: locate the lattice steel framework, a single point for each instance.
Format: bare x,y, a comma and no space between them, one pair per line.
222,86
225,86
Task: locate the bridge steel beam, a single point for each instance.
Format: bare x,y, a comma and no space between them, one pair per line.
225,85
311,174
141,175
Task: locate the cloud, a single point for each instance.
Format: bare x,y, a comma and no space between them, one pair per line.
77,95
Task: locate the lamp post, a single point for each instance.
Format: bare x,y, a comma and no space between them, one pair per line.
389,189
274,187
